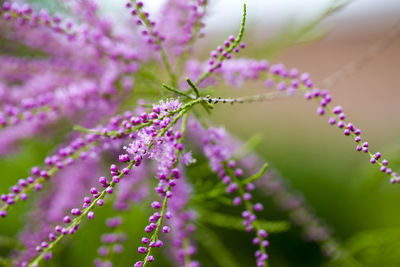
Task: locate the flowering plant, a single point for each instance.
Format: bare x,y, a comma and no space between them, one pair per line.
136,100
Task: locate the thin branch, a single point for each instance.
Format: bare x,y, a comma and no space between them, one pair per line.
230,49
164,56
252,98
176,91
361,62
193,86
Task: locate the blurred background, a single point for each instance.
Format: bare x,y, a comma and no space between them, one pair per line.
353,198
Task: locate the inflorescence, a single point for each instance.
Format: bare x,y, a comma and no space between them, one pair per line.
91,72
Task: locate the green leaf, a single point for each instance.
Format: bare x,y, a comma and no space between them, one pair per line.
236,223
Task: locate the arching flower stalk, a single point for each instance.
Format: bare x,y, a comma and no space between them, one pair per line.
168,173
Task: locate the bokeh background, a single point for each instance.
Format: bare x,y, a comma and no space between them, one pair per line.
353,198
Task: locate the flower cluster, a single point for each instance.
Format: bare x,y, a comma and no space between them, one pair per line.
219,153
96,38
85,71
111,242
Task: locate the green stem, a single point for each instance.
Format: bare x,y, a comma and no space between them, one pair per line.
207,106
175,120
50,172
193,86
221,187
255,176
76,221
230,48
176,91
248,206
183,58
158,42
154,237
250,98
134,129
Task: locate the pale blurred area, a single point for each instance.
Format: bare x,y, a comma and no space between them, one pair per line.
364,16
